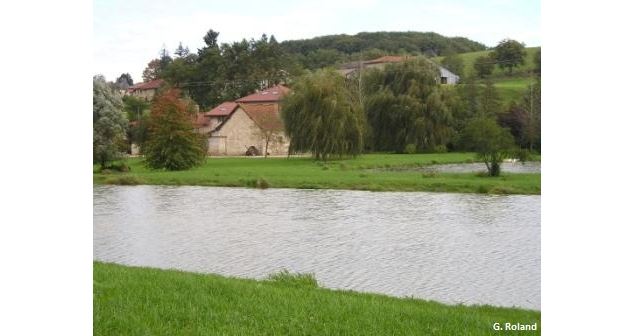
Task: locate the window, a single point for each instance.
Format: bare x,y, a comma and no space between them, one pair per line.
444,80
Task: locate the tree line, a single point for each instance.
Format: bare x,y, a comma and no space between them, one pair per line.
403,109
221,72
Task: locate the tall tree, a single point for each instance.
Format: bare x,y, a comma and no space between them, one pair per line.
509,54
109,123
403,107
490,102
322,117
164,58
531,107
484,66
211,39
152,71
181,51
172,143
124,81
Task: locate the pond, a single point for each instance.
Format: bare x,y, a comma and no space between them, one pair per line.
453,248
530,167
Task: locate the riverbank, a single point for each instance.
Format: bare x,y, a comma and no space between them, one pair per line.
145,301
351,174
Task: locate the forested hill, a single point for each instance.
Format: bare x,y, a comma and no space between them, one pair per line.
331,49
393,42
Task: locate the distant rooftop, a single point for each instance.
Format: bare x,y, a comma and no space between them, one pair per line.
153,84
272,94
222,110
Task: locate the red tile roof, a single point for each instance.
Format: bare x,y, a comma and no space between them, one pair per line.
222,110
272,94
153,84
200,120
264,115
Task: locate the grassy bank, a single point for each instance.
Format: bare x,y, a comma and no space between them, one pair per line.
352,174
142,301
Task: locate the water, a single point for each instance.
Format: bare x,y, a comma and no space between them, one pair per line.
530,167
453,248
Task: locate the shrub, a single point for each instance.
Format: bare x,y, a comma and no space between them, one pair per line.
123,180
120,167
410,149
440,149
500,190
481,189
430,173
259,183
262,183
523,155
287,278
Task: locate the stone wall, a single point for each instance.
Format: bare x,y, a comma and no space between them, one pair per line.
239,133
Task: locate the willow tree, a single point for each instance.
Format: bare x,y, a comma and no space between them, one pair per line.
405,105
323,117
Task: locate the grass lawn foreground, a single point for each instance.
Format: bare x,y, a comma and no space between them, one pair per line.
367,172
145,301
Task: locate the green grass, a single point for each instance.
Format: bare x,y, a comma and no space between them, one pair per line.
144,301
352,174
512,89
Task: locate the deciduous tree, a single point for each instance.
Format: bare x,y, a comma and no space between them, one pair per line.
491,142
172,143
404,106
109,123
484,66
322,117
509,54
152,71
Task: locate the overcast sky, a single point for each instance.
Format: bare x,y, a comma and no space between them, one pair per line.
128,34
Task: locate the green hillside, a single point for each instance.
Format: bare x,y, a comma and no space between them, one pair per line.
470,57
390,42
511,88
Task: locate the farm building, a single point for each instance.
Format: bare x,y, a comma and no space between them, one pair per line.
249,122
145,90
349,69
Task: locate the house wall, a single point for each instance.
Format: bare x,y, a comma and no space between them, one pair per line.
451,77
147,94
239,133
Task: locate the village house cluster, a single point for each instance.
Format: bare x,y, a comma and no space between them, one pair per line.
252,125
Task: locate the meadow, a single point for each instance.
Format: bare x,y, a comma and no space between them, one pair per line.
367,172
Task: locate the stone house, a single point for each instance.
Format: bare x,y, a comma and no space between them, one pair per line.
349,69
254,120
145,90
